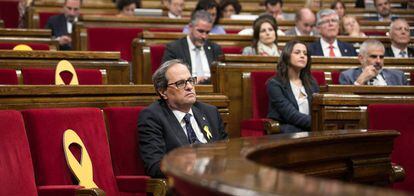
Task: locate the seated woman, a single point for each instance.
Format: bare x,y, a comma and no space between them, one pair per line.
264,38
290,91
213,8
127,7
350,27
230,7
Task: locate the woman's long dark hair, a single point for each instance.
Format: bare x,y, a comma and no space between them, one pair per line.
208,4
257,24
284,64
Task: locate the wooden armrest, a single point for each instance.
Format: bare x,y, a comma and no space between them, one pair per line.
397,173
271,126
157,186
90,192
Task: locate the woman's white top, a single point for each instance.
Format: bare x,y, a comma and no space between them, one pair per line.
302,101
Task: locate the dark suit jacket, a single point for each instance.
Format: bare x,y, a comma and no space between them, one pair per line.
346,49
160,132
178,49
392,77
390,53
58,26
284,108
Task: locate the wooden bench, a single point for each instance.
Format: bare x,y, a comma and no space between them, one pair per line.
117,71
53,44
20,97
230,76
344,107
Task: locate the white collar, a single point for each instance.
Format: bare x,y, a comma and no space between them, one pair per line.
191,45
299,33
326,45
180,115
171,15
397,51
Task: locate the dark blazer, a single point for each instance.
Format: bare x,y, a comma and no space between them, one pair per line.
58,26
284,108
160,132
178,49
346,49
392,77
390,53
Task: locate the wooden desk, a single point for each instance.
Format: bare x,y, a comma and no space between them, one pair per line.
117,71
285,165
53,44
40,33
344,107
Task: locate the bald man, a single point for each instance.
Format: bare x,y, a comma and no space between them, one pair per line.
400,38
304,22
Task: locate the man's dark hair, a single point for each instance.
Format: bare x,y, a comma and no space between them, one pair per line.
209,4
234,3
273,2
120,4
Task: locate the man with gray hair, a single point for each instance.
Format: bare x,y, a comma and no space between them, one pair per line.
327,23
177,118
400,38
195,49
371,71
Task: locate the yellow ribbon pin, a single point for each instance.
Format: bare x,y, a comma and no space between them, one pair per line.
207,130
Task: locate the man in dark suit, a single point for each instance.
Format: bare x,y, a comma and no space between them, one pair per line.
400,38
327,23
304,22
195,49
383,8
371,72
177,119
61,25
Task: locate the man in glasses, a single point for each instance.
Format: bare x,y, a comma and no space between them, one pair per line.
195,49
304,21
327,23
371,72
61,25
177,119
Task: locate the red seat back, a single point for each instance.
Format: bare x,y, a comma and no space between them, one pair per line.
335,77
412,78
16,166
112,39
123,140
44,16
45,128
9,13
156,53
232,49
8,76
45,76
34,46
397,117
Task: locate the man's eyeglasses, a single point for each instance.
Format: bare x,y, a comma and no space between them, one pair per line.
373,56
333,21
181,84
202,31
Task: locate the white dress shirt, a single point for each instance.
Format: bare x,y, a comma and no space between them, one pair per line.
171,15
302,101
299,33
69,25
204,61
325,48
397,51
180,117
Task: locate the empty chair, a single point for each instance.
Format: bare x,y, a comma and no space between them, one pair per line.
397,117
255,126
46,76
123,142
8,76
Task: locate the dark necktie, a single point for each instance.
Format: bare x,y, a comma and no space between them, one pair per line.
192,138
402,54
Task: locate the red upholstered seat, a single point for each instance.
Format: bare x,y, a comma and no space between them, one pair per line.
45,76
45,128
44,16
397,117
16,169
156,53
8,76
412,78
232,31
34,46
335,77
123,141
260,101
112,39
232,49
9,13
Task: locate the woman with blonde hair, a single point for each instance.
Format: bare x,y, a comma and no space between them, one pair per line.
350,27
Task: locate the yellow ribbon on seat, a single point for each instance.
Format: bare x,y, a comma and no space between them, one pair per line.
62,66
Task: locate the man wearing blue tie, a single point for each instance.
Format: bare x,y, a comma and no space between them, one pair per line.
371,71
177,119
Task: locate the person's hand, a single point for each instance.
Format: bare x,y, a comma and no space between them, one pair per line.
64,39
367,74
202,79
